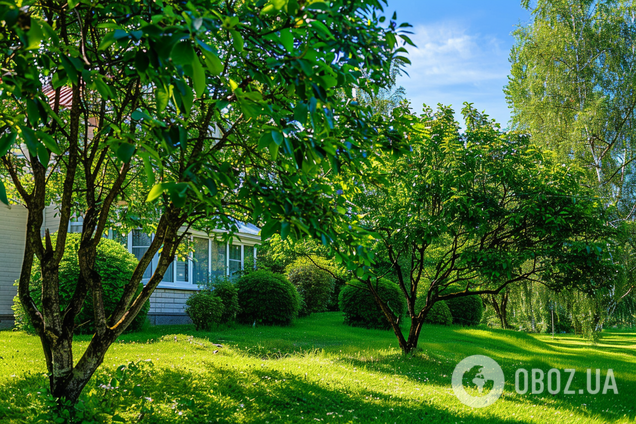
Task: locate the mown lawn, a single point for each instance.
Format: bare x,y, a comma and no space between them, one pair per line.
320,370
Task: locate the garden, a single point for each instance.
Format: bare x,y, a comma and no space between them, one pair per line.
256,168
317,370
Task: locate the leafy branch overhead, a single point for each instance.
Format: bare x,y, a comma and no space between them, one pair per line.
164,115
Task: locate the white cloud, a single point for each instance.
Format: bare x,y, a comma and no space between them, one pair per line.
451,65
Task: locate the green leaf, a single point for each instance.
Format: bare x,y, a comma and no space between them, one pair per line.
269,229
30,140
265,140
6,142
125,152
51,33
178,194
182,53
285,227
138,115
103,89
198,77
138,391
322,28
300,113
278,138
119,34
237,40
70,69
273,151
161,97
107,41
72,4
3,194
150,172
213,62
157,191
141,61
49,142
211,185
33,112
287,39
43,155
117,418
34,35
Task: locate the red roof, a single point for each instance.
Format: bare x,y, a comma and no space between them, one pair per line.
66,96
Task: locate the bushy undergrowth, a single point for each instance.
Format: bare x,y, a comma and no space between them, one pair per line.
226,290
314,284
114,264
360,308
466,310
439,314
267,298
205,309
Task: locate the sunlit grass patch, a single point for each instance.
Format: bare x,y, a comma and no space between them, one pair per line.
318,370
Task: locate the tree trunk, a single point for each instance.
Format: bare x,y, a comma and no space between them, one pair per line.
500,307
529,309
409,344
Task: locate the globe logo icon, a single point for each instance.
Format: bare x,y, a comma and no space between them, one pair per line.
487,380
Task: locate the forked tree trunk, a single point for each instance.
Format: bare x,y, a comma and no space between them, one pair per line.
409,344
500,307
55,326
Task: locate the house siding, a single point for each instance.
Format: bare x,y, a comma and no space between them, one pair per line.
167,306
12,239
51,220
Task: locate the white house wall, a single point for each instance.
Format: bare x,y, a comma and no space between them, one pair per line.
167,304
12,239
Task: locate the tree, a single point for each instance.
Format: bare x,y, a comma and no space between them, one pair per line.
180,114
476,212
571,87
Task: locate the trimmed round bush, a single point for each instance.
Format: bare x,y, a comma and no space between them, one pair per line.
314,285
267,298
466,310
439,314
113,263
225,290
360,308
205,309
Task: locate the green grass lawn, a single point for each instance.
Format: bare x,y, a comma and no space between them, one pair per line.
319,370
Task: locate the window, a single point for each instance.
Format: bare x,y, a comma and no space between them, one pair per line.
140,244
75,225
249,260
182,265
218,264
119,238
236,259
201,263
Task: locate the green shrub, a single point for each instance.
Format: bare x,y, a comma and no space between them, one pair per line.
113,263
314,284
360,308
439,314
227,292
267,298
466,310
204,308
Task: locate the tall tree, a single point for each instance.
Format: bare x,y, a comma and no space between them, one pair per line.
476,212
211,110
571,87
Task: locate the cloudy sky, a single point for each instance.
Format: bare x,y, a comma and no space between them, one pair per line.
462,52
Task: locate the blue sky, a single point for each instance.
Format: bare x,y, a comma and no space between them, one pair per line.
462,52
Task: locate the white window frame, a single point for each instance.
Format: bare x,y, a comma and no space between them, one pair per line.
190,284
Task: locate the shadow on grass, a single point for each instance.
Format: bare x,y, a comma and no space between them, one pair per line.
261,396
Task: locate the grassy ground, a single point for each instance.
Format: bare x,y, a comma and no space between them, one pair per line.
321,370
